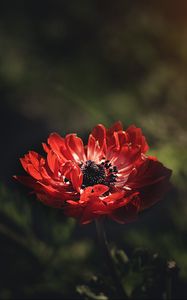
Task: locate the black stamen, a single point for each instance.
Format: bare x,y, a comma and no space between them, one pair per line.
92,173
98,174
115,169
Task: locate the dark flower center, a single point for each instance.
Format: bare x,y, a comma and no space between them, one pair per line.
92,173
98,174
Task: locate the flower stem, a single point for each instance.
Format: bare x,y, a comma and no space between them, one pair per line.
168,288
171,277
109,260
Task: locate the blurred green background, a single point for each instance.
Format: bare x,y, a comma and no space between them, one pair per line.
66,66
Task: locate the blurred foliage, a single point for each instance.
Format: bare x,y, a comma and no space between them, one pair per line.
65,66
143,276
39,255
42,256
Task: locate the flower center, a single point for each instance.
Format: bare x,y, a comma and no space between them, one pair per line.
92,173
98,174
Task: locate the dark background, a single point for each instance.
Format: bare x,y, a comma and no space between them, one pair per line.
66,66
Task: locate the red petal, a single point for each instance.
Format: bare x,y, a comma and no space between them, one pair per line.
136,138
97,143
28,181
45,173
91,148
85,196
99,133
122,137
113,197
45,147
151,194
148,172
100,189
52,161
24,162
72,172
125,214
76,148
74,203
33,172
115,127
50,201
35,159
125,159
151,179
58,146
31,163
93,191
47,188
76,178
73,211
88,213
112,135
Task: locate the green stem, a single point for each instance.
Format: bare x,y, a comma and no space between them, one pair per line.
109,260
168,287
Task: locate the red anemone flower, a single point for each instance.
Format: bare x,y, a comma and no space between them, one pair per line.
110,176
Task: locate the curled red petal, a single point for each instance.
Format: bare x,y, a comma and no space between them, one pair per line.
73,172
34,172
99,133
53,162
57,144
112,135
24,162
137,138
76,178
115,127
75,147
45,147
92,148
31,163
34,159
97,143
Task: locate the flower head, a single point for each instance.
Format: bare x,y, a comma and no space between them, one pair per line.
110,176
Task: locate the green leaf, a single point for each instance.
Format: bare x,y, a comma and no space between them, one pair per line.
86,291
